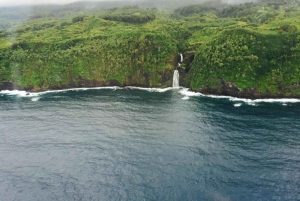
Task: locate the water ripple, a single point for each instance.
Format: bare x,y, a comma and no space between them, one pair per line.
146,145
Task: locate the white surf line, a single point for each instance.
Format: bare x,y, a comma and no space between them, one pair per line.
160,90
78,89
17,93
183,91
33,94
186,92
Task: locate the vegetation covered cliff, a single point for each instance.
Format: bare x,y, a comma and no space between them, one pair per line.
126,46
247,63
246,50
258,60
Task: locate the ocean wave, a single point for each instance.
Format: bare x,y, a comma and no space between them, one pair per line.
35,99
160,90
183,91
78,89
33,94
186,92
237,105
18,93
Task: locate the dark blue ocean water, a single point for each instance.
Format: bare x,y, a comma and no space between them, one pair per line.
130,144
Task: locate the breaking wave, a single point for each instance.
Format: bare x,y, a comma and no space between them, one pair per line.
33,94
160,90
185,92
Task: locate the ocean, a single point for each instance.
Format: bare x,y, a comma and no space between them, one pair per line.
147,144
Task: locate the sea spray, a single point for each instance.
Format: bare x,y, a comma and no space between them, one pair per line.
185,92
33,94
160,90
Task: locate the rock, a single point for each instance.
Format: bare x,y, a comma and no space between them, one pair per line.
230,89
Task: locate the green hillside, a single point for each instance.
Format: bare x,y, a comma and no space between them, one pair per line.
253,47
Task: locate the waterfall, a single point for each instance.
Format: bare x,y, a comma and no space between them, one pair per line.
176,79
181,58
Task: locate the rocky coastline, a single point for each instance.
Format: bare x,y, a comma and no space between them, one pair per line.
226,89
230,89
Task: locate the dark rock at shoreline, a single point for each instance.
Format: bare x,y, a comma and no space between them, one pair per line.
230,89
224,89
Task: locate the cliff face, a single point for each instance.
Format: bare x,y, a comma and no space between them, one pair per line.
139,59
252,54
237,62
230,89
248,64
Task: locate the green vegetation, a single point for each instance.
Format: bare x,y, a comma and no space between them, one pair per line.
252,45
130,14
250,60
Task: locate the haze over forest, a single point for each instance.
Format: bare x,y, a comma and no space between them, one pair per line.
13,12
62,2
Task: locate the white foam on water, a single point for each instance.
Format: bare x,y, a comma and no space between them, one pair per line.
280,100
33,94
35,99
253,101
237,105
183,91
77,89
18,93
160,90
186,92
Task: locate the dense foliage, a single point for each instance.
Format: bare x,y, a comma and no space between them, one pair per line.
252,45
211,6
250,60
131,15
127,58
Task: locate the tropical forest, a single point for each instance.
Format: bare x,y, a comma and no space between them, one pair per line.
245,49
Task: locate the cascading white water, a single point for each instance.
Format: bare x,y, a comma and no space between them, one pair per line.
176,79
181,58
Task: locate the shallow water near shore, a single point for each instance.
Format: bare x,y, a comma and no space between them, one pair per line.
147,144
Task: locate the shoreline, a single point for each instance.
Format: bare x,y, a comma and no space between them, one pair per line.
230,89
185,92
